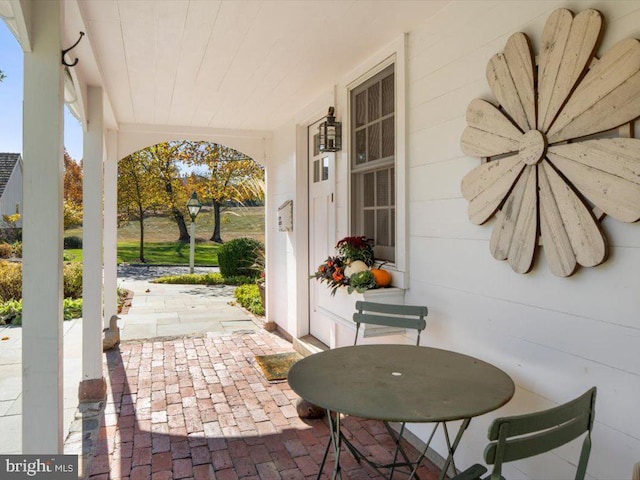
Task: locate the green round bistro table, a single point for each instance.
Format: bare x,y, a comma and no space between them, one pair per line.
400,383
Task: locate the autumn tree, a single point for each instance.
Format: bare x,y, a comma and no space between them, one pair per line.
72,192
72,179
164,160
228,170
139,191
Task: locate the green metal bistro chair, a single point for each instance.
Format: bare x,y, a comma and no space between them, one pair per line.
388,315
537,433
409,317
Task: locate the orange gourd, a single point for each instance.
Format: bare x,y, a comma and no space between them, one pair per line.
383,278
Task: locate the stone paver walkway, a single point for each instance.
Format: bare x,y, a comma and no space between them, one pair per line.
197,408
11,381
159,310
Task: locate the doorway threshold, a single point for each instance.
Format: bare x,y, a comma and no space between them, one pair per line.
308,345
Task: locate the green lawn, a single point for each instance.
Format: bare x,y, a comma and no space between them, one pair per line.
161,233
172,253
236,222
73,254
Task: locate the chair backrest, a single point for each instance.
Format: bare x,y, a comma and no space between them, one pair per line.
388,315
540,432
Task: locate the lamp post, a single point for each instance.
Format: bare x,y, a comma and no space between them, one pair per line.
194,206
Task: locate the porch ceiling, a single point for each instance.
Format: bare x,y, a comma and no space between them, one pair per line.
230,64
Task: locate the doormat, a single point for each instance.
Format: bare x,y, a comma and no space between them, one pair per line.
276,367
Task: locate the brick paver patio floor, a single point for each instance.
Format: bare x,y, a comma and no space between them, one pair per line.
197,408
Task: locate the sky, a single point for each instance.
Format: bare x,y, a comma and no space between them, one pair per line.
11,63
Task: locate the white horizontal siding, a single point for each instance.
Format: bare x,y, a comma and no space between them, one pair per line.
555,337
280,256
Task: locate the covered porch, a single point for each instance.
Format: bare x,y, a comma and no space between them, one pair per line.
259,77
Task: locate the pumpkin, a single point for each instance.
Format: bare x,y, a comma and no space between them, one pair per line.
383,278
355,267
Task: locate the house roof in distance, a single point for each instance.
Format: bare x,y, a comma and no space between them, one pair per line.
7,163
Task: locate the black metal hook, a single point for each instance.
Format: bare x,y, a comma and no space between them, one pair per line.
64,52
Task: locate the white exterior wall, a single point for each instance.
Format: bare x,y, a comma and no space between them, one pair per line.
287,272
12,194
280,271
555,336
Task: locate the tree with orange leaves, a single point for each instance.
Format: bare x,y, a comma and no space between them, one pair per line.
72,192
72,179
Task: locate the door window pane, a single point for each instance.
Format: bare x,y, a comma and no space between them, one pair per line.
316,147
325,168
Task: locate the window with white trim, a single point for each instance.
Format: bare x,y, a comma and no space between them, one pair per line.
373,162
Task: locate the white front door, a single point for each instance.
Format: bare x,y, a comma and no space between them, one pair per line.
321,228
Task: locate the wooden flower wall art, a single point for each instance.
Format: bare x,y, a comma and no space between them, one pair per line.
544,176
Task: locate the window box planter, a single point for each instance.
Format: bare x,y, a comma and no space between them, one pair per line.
341,307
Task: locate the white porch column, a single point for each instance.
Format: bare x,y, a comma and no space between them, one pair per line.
111,227
42,233
92,387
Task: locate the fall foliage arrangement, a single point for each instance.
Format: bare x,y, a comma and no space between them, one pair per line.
351,267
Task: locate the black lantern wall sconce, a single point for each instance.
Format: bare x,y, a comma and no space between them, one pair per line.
330,134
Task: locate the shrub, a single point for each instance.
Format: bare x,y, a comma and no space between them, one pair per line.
11,311
72,308
249,297
72,242
73,280
17,249
239,257
10,281
5,250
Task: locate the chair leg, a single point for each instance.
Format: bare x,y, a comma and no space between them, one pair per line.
414,472
446,436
